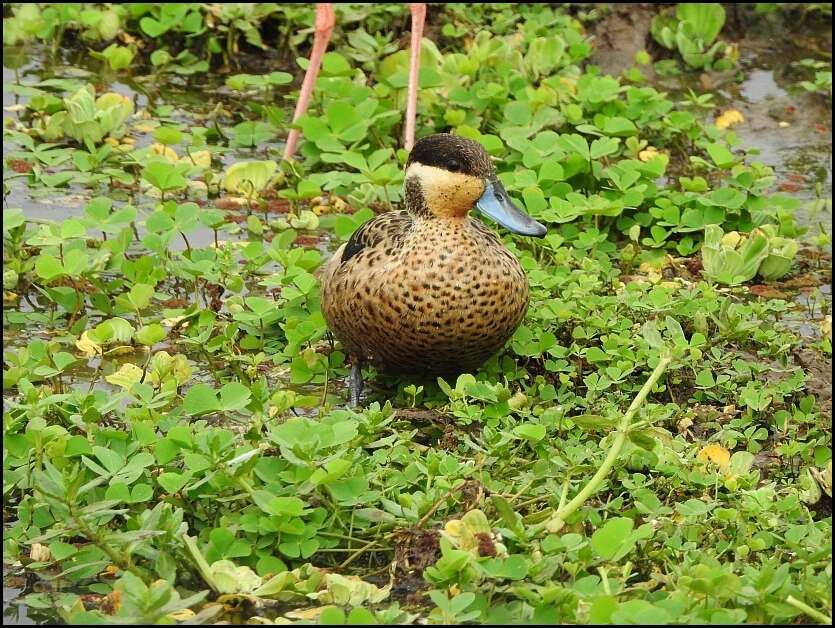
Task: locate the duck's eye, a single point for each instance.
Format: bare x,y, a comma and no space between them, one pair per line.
453,165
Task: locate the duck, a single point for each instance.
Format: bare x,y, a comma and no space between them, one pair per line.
430,290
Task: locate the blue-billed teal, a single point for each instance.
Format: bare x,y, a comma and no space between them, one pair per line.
428,289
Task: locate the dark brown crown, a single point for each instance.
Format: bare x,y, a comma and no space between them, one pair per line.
453,153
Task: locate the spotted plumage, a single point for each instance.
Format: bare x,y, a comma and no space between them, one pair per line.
427,290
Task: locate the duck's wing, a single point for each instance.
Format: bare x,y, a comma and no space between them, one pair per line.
352,276
386,232
375,242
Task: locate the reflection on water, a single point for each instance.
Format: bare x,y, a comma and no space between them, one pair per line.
13,611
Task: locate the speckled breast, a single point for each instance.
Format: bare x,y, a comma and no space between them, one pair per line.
443,301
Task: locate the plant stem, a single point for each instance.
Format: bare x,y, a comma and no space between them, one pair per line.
439,503
557,520
357,553
811,612
122,562
201,563
188,246
96,374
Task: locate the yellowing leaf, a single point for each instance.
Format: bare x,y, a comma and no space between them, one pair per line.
127,375
170,322
200,158
89,348
144,127
165,151
308,614
824,478
469,532
649,153
113,99
732,239
729,118
111,571
120,350
164,365
569,83
716,454
650,267
183,614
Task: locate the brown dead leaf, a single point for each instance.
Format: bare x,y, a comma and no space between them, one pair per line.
306,241
415,548
486,546
767,292
111,603
278,206
807,280
684,424
40,553
230,202
19,165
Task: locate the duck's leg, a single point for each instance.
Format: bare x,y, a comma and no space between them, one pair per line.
418,10
355,383
325,21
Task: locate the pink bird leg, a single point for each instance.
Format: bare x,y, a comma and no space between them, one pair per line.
418,10
325,21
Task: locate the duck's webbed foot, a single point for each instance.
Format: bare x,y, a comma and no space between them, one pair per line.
355,383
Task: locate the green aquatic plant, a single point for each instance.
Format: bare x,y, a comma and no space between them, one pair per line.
249,178
733,258
87,118
174,408
117,57
49,22
822,80
692,32
781,254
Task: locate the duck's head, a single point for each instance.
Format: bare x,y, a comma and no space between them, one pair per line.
447,175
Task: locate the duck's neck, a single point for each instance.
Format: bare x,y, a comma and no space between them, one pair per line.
418,204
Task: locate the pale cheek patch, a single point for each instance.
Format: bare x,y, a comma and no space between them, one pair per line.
447,193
